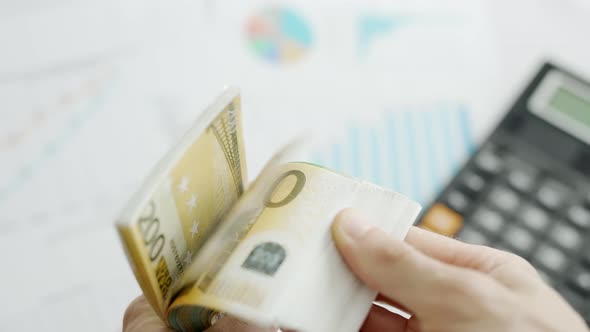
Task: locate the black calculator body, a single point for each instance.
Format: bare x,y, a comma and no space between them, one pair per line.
527,189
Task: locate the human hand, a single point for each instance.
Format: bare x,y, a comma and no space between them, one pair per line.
140,317
449,285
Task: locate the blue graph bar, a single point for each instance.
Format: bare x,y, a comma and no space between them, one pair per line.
376,157
393,154
337,158
355,154
414,150
466,129
413,154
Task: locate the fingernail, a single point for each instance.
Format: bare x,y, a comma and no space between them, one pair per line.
352,223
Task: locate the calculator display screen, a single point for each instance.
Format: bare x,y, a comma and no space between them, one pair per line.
571,105
563,101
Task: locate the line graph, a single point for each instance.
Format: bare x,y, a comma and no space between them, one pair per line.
63,102
74,106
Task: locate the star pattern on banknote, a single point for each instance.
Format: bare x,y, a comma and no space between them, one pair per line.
191,203
188,258
183,185
194,229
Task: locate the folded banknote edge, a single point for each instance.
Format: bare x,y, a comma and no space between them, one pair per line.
161,168
128,215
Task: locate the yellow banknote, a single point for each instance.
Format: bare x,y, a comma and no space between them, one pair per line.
202,243
272,260
187,195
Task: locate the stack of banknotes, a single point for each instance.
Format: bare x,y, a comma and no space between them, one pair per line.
203,242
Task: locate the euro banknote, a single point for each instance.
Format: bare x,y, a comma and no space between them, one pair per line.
202,242
183,200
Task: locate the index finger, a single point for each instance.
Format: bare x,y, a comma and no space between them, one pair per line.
455,252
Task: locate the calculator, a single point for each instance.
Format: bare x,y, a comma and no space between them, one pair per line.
527,188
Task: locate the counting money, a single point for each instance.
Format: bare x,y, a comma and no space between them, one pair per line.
202,243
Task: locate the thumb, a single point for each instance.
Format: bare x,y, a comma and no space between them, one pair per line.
397,270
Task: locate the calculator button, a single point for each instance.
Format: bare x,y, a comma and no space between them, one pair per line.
566,236
458,201
473,182
579,215
573,298
519,239
580,279
552,194
442,220
550,258
488,219
504,198
522,178
489,161
534,217
473,236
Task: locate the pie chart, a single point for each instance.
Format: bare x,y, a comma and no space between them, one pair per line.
279,35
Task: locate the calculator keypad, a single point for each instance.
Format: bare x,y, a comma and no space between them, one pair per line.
522,177
501,201
579,215
565,236
550,258
580,279
488,219
552,194
474,182
458,201
533,217
520,239
489,161
504,199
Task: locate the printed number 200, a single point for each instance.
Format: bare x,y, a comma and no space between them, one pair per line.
149,226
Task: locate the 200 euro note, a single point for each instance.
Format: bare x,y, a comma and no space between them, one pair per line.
272,260
183,200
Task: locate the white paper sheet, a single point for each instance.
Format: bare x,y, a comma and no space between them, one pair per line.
76,141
